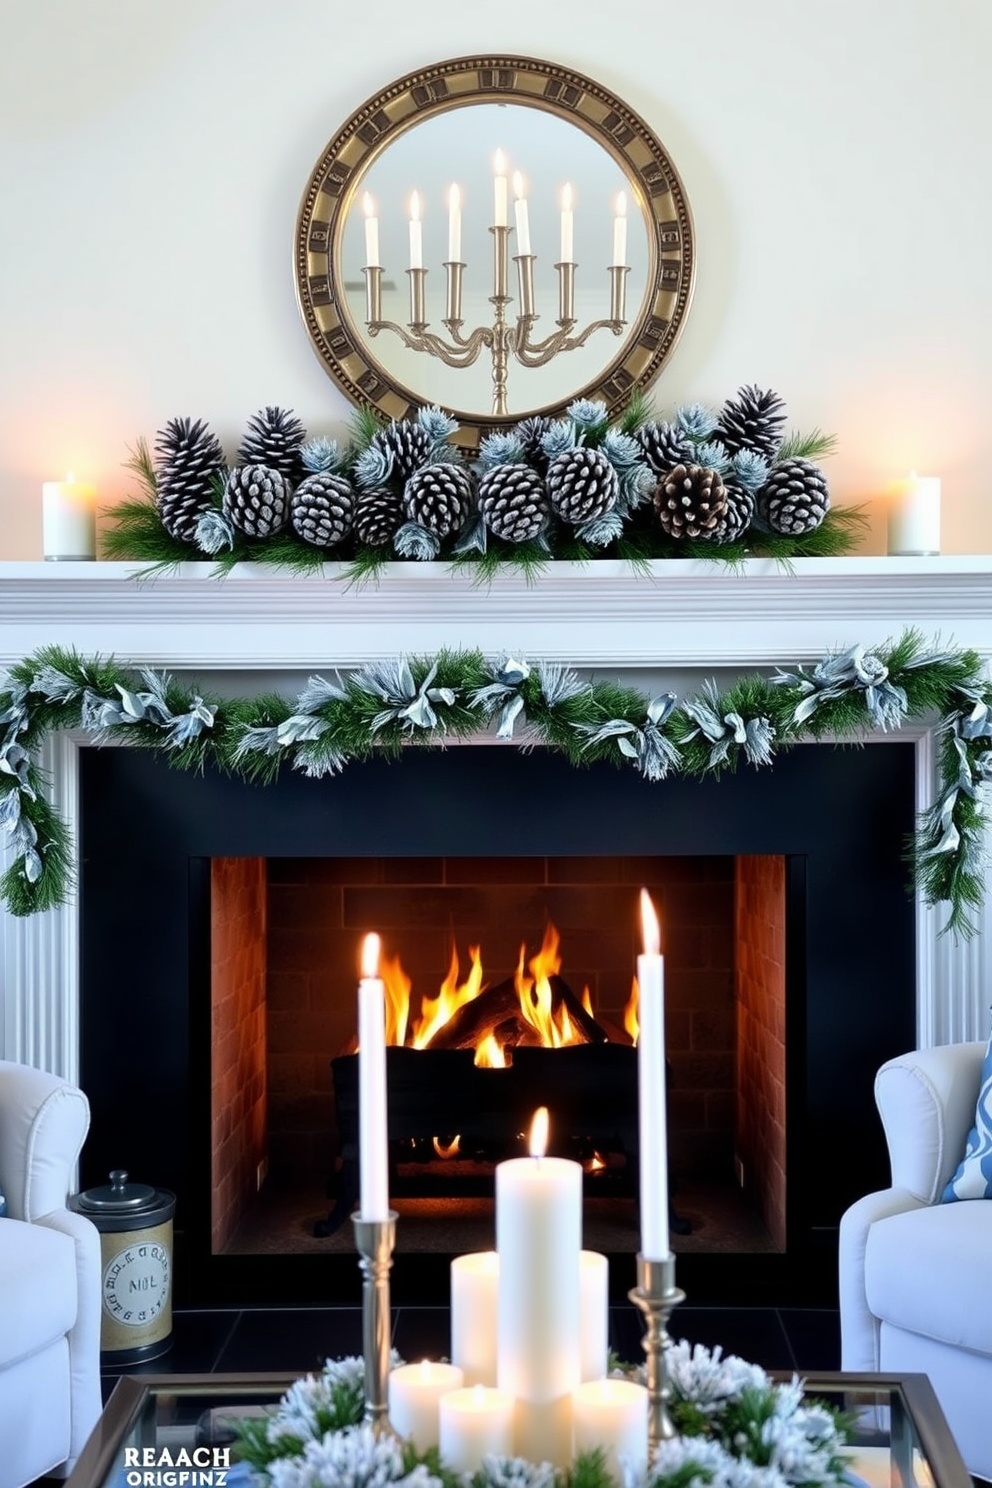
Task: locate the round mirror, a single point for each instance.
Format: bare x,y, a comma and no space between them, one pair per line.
495,236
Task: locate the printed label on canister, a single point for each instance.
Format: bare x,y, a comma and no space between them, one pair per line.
137,1287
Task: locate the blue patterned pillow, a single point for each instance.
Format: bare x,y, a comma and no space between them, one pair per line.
973,1177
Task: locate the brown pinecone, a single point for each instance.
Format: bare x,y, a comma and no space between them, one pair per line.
795,498
379,516
513,502
322,508
690,501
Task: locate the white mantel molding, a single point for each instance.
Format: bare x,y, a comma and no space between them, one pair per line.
678,616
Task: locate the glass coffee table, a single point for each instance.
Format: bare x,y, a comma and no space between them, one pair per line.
901,1439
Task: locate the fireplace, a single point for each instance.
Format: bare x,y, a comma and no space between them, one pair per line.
829,824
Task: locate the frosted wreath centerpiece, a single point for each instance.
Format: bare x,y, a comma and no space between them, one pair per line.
736,1428
719,483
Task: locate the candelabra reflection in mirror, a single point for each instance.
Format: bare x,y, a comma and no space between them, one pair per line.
505,339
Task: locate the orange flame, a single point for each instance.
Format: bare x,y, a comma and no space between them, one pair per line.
489,1055
435,1011
453,1148
398,987
630,1018
587,1001
538,1141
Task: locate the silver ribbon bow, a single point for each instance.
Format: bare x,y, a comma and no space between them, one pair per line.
508,675
645,744
849,671
413,706
754,735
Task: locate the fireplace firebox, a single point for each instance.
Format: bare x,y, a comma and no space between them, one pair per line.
831,824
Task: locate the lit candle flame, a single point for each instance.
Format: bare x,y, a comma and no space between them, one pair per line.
500,163
454,198
566,197
371,946
414,207
368,205
539,1132
518,186
649,926
622,204
70,478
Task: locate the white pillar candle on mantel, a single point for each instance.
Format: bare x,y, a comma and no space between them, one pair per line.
474,1286
914,516
373,1150
68,520
538,1331
472,1424
652,1120
415,1392
594,1314
612,1414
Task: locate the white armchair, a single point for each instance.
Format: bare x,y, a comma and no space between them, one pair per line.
915,1274
50,1276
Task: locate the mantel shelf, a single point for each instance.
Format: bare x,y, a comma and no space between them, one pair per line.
674,613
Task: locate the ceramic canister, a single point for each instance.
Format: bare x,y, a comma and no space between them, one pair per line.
135,1224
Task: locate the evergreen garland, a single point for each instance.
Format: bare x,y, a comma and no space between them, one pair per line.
378,453
379,708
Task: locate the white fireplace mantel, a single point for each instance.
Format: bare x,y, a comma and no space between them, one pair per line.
678,618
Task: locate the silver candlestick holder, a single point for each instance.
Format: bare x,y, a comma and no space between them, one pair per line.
655,1295
375,1239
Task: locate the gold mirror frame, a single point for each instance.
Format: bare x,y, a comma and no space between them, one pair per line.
330,197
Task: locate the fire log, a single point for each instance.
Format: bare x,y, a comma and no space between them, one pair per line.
497,1011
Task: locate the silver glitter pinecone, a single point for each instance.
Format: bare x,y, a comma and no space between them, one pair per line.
513,502
322,509
753,420
275,439
256,499
582,485
408,445
795,498
188,464
439,497
664,446
690,501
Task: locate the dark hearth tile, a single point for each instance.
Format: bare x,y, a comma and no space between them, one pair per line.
298,1338
753,1333
814,1333
422,1333
198,1338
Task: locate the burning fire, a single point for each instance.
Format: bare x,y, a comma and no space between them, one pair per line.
630,1019
538,1012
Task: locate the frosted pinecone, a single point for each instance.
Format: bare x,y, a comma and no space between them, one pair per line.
439,497
379,515
406,444
189,462
753,420
275,439
690,501
736,518
795,498
514,502
530,432
322,509
256,499
664,446
582,484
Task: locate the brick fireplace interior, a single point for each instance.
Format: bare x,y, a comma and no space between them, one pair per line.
789,882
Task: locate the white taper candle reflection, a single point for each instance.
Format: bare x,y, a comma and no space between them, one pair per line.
499,191
371,233
567,248
454,225
520,213
416,233
620,230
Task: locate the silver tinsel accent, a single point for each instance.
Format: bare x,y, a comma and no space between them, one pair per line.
559,683
392,681
849,671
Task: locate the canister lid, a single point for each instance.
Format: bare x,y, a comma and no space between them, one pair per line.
118,1196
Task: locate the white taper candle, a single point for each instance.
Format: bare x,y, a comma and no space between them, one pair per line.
373,1160
652,1120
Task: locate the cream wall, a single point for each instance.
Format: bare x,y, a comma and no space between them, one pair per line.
835,154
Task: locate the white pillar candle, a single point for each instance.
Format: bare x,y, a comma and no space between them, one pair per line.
68,519
415,1392
539,1237
416,233
520,214
371,233
566,225
473,1424
613,1414
914,516
594,1314
373,1161
454,225
499,191
652,1121
474,1285
620,230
